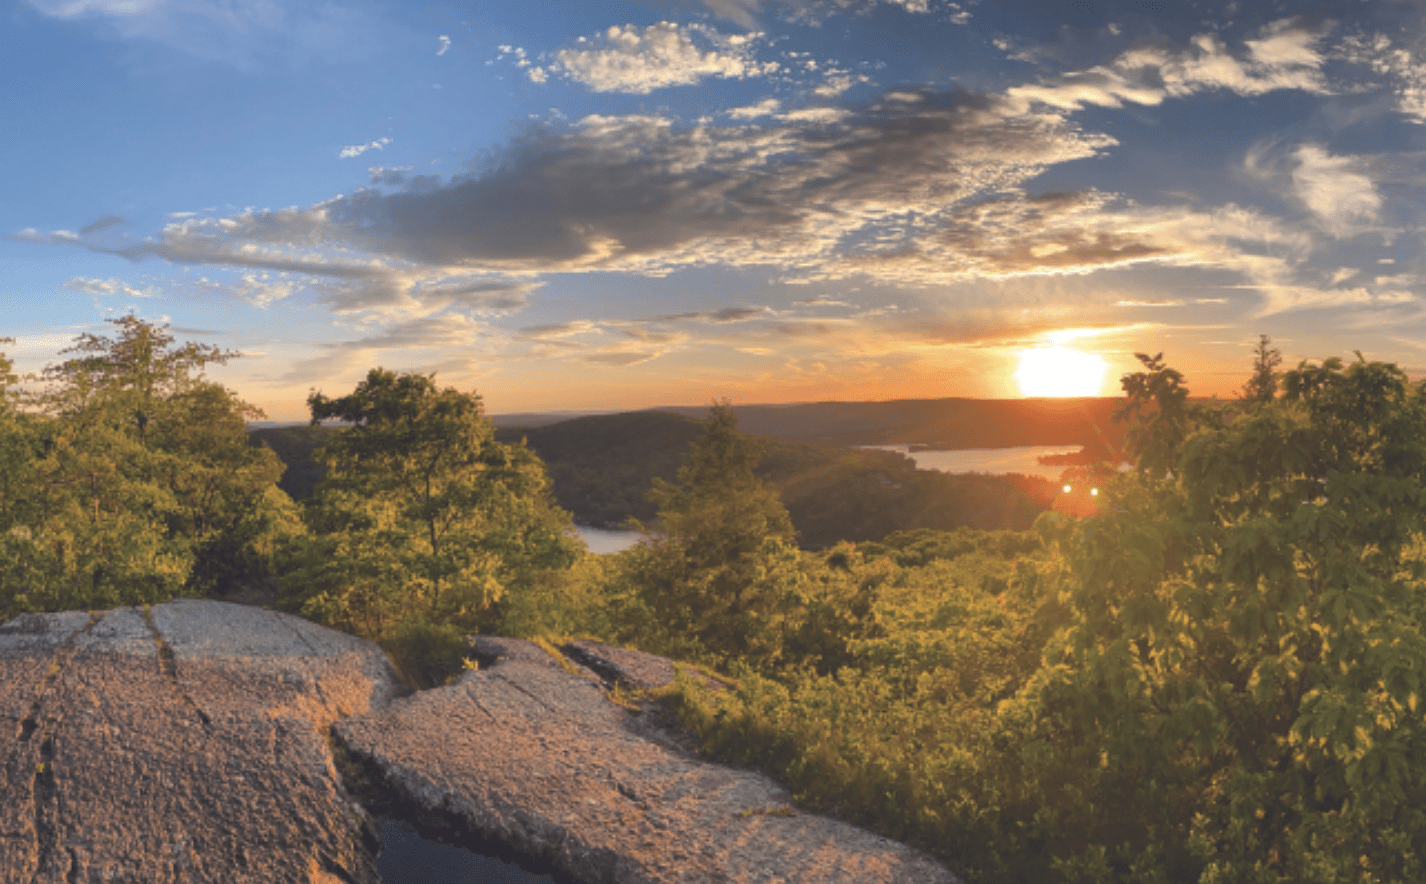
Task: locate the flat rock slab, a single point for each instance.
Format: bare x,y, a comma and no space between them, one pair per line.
186,743
530,752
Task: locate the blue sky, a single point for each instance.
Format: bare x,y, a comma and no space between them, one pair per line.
587,206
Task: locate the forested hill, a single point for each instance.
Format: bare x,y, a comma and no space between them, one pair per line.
602,467
295,447
940,423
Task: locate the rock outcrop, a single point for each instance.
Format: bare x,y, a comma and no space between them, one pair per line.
532,752
200,741
185,743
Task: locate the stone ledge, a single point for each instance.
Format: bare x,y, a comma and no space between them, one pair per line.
538,758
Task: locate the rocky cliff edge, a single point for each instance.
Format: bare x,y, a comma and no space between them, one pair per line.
200,741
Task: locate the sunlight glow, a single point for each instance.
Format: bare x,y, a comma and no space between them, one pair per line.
1060,371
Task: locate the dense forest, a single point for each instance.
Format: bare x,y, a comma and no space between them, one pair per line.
1217,678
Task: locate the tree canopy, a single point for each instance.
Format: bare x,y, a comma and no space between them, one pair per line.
131,479
424,523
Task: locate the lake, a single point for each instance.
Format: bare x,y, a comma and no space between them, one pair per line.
603,540
1023,459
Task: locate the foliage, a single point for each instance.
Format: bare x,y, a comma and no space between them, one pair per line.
424,527
1216,679
706,583
1245,640
132,479
602,466
1262,386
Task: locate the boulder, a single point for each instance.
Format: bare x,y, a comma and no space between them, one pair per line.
187,742
531,751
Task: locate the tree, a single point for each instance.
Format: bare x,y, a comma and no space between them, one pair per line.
1238,686
424,523
1262,386
139,482
709,575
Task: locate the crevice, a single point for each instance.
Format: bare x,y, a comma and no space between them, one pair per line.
316,681
169,667
30,723
384,800
607,672
481,707
547,707
45,795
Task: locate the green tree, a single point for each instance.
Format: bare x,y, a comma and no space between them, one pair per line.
139,484
1238,687
712,577
1262,386
424,523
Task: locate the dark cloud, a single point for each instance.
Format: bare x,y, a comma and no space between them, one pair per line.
102,224
726,314
636,193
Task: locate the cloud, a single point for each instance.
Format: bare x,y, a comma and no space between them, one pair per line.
837,82
79,8
1342,198
557,330
449,330
252,36
357,150
639,193
638,61
1284,56
445,44
1406,69
746,12
723,316
262,289
107,287
916,186
1172,302
766,107
102,224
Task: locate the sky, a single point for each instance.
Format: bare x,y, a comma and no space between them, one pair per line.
566,205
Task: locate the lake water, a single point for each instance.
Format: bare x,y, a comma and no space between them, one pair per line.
603,540
1023,460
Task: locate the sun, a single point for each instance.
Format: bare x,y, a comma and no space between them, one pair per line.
1060,371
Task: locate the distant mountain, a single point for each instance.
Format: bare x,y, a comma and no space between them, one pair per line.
939,423
294,444
540,418
602,466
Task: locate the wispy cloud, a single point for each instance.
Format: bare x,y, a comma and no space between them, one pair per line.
445,44
1332,187
1285,55
102,224
639,60
107,287
1405,69
250,35
357,150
